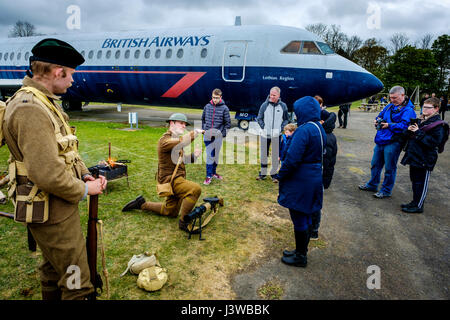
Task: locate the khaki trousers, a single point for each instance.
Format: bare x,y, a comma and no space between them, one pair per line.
64,267
186,194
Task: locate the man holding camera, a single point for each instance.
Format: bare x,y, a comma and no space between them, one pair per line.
390,123
170,152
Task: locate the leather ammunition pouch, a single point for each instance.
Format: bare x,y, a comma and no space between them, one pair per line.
165,189
31,205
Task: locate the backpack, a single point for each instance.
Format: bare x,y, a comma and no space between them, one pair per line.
446,132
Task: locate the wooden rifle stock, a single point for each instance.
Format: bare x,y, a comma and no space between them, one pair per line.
91,244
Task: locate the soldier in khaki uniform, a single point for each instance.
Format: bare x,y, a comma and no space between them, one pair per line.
48,177
186,193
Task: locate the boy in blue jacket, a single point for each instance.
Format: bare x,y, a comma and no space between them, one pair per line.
286,138
215,121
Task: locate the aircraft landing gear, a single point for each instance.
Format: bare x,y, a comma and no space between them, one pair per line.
243,124
71,105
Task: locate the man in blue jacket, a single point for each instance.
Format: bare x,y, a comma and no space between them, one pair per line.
392,120
300,177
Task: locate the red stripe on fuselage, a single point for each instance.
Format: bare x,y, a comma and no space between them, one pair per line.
174,92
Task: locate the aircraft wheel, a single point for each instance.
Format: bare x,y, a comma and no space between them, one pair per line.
71,105
243,124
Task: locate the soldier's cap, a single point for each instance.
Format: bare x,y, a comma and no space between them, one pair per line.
57,52
178,117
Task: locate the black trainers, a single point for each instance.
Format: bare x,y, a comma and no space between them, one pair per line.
364,187
408,205
414,209
134,204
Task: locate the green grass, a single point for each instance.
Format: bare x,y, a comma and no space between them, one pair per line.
239,234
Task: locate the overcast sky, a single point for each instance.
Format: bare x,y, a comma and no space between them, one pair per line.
364,18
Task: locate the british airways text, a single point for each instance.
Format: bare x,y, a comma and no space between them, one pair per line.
156,42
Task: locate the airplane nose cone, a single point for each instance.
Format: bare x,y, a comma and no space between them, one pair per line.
371,84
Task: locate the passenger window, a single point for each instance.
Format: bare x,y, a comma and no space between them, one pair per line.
127,54
108,54
1,55
292,47
91,54
137,53
99,54
11,56
158,53
117,54
180,53
310,47
147,54
204,53
27,56
82,53
19,55
5,57
169,53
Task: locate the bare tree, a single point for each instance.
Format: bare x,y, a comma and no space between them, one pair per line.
319,29
22,29
335,38
425,42
351,45
399,41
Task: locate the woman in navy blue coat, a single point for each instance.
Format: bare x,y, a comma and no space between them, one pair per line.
300,177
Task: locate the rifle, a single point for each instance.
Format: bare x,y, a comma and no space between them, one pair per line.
31,241
91,242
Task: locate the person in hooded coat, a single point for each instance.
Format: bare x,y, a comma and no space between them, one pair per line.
300,177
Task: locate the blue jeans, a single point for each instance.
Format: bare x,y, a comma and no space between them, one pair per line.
213,147
384,156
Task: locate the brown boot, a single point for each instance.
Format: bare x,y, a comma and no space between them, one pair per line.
152,206
50,291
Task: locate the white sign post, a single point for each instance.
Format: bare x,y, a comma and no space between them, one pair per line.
133,119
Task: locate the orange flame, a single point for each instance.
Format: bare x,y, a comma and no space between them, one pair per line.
112,162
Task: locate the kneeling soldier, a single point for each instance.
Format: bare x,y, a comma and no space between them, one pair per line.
48,177
185,192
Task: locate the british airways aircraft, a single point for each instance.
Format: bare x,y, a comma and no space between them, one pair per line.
181,67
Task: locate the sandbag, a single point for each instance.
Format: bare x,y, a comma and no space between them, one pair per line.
152,279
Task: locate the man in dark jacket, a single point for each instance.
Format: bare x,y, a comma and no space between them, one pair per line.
394,118
300,176
343,111
421,152
215,121
272,117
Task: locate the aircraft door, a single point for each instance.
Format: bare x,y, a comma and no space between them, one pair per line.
234,60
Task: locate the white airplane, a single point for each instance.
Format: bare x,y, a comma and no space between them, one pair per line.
181,67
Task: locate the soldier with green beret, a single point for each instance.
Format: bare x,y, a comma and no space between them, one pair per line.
48,177
170,152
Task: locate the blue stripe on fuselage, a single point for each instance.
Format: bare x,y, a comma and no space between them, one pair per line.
110,85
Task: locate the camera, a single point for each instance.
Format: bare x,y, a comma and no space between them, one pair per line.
414,121
380,121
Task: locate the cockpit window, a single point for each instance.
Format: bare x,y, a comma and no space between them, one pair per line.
292,47
325,48
309,47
